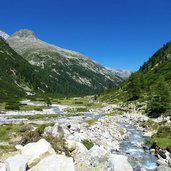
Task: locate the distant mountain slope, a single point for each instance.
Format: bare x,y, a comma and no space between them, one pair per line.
71,70
120,72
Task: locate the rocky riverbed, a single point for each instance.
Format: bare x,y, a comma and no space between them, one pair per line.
115,143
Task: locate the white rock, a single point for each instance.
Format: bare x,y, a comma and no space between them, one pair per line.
169,162
80,148
54,131
119,163
34,152
55,163
148,134
16,163
71,145
98,153
2,167
163,168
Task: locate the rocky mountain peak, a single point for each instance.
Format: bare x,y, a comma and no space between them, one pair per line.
4,35
24,33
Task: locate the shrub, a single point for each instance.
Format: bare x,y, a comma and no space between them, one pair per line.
12,106
78,102
88,144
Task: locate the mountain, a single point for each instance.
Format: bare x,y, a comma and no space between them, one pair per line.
4,35
73,71
120,72
14,72
19,78
158,65
146,83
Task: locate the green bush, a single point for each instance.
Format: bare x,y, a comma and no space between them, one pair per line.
78,102
88,144
12,106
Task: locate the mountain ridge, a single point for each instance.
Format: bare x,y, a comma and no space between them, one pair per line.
60,63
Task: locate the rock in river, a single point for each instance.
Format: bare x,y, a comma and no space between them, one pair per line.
119,163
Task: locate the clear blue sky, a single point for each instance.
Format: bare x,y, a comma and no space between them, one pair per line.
115,33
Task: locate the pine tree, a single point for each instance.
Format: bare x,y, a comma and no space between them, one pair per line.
160,99
133,87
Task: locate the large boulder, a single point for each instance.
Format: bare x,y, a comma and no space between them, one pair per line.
55,163
2,167
98,154
34,152
119,163
16,163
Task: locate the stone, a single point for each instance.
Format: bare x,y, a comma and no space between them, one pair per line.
34,152
148,134
169,162
54,131
163,168
54,163
80,148
162,153
119,163
71,145
167,155
16,163
143,169
2,167
162,161
98,154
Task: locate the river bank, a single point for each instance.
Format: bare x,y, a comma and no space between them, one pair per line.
109,138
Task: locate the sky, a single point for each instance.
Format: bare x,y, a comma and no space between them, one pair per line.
119,34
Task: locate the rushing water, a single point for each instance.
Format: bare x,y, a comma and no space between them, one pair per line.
138,154
55,109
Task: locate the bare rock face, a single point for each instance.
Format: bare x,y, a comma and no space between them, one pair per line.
24,33
35,152
55,163
16,163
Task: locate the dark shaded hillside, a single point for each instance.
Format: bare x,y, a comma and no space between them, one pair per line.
18,78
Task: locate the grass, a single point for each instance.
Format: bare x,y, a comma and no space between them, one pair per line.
9,131
2,106
83,109
78,101
162,138
151,125
88,144
114,113
161,142
44,116
92,121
